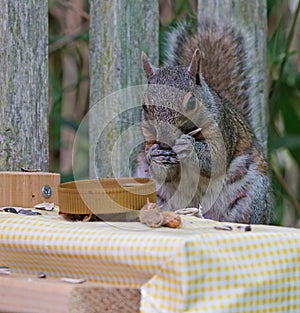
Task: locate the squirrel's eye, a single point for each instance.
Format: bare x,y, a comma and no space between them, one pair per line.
191,104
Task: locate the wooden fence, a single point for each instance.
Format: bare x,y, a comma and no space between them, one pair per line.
119,31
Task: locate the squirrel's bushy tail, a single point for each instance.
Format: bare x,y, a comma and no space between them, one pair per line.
223,58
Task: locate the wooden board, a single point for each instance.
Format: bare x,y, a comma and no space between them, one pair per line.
24,189
29,294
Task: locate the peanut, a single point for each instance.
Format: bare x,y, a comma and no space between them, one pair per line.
151,216
171,219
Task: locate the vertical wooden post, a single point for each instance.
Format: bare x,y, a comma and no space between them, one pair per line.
119,32
23,85
251,18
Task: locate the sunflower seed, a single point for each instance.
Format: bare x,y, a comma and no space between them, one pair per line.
194,132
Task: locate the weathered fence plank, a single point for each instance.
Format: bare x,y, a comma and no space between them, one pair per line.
119,32
251,18
23,85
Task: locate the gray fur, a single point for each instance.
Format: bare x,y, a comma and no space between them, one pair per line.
222,167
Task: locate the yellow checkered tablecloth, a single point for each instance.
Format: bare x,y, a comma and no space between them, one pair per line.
195,268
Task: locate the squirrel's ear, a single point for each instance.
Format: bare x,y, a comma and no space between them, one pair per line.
194,66
149,69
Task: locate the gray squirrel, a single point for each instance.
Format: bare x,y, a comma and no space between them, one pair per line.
199,145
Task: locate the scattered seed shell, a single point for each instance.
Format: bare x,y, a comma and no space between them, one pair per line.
87,218
187,211
30,170
191,211
28,212
41,275
10,210
244,227
223,227
45,206
73,280
4,270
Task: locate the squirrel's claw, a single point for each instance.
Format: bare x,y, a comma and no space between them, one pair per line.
184,146
161,156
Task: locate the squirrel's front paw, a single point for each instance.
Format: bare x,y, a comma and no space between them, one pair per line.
161,156
184,146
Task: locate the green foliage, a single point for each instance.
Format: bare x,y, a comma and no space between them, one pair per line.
284,108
